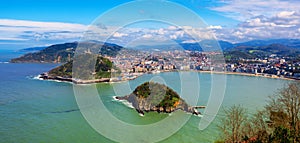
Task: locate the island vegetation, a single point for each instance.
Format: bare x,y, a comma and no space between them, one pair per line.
94,69
279,122
151,96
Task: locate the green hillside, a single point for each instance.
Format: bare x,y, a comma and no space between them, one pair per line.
84,68
62,53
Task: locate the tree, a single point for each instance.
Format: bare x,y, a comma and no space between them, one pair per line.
284,108
256,128
278,123
232,124
281,135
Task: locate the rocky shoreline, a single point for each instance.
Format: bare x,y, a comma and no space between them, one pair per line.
141,106
46,76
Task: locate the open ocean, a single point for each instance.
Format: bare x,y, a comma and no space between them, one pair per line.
33,110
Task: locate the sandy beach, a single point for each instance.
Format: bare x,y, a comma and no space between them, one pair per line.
249,74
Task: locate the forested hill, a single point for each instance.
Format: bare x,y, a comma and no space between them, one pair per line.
61,53
103,67
151,96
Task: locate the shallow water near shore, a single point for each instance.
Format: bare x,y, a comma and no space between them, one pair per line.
46,111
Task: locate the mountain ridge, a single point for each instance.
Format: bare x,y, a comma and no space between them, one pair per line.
62,53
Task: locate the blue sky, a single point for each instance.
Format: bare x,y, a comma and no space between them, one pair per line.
84,12
70,11
29,23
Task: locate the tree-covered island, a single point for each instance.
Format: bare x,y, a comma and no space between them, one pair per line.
151,96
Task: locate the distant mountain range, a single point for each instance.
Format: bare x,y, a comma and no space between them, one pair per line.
224,45
265,48
251,49
291,43
32,49
61,53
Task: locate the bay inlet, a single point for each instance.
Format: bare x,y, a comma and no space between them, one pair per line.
46,111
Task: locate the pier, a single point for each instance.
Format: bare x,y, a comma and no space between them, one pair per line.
199,107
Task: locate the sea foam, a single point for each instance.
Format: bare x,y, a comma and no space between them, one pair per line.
125,102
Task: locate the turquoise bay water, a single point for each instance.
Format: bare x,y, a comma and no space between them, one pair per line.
46,111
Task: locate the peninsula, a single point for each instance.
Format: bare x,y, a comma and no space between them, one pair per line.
151,96
101,72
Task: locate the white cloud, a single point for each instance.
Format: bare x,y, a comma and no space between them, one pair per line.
161,31
172,33
285,14
147,36
214,27
281,25
41,26
246,9
172,28
179,33
284,24
189,41
259,19
174,37
256,22
51,32
187,27
119,35
21,30
12,39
